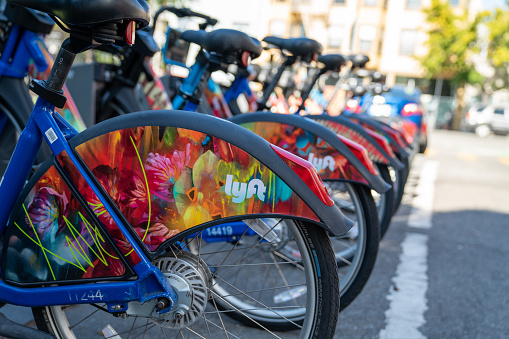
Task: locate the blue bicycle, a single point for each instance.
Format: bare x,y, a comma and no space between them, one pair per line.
108,236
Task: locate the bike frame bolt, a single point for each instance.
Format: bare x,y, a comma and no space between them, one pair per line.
162,303
117,307
179,314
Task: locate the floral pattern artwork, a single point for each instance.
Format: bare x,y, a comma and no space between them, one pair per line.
53,238
373,152
98,208
329,163
165,180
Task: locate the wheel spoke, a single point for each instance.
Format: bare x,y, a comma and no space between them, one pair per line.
244,314
220,318
82,320
225,268
256,301
250,249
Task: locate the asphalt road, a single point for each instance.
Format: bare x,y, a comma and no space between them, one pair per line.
446,281
467,248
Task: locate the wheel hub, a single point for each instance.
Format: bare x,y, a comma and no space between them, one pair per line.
191,279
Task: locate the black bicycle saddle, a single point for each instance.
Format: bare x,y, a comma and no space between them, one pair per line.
224,41
332,62
90,12
377,77
302,47
359,60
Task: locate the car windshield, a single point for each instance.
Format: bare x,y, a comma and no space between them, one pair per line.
402,93
480,107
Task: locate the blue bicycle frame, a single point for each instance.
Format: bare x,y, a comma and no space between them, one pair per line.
46,123
239,86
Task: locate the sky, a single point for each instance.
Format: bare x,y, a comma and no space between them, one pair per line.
492,4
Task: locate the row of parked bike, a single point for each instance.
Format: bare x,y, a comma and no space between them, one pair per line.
211,211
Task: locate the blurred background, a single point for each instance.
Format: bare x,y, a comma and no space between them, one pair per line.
455,52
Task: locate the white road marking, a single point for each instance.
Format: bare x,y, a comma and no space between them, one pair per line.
408,293
407,296
422,203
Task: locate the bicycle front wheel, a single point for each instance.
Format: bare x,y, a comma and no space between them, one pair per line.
247,278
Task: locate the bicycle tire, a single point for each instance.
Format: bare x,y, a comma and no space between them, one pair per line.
318,320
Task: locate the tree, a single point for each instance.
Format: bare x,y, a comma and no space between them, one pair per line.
451,44
497,51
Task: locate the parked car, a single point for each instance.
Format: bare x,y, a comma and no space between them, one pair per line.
404,102
485,119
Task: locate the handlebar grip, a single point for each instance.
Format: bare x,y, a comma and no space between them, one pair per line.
182,13
210,21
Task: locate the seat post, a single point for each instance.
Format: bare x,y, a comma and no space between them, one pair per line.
289,61
61,68
51,89
308,87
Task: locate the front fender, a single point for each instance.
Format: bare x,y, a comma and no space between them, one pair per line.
307,139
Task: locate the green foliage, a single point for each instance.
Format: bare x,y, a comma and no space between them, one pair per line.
498,48
497,24
451,42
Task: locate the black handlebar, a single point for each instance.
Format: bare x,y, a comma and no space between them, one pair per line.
183,13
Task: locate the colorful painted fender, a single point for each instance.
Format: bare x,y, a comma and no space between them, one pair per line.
313,142
381,128
167,174
357,133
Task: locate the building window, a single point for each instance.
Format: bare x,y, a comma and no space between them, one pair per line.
371,3
367,34
297,30
339,2
277,27
414,4
407,42
454,2
336,34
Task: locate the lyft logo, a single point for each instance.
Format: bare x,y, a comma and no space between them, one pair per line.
322,163
241,191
